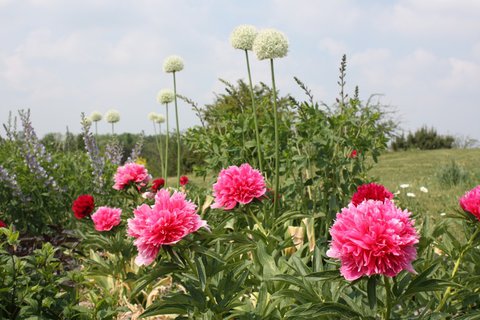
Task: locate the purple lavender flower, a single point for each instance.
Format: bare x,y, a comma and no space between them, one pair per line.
10,181
137,149
98,164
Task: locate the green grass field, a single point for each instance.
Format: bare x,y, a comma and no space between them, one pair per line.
424,169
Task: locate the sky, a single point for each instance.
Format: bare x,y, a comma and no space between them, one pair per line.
60,58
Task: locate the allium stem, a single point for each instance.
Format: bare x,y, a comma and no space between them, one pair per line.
159,147
178,129
113,132
277,147
455,269
388,298
255,121
96,128
166,145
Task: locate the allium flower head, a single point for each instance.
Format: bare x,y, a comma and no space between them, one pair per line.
270,44
173,64
167,222
165,96
83,206
470,202
95,116
371,191
374,237
152,116
242,37
112,116
131,173
238,185
106,218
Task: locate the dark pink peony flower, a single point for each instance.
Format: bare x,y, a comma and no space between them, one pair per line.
168,221
470,202
371,191
238,185
3,224
374,237
131,173
105,218
157,184
83,206
183,180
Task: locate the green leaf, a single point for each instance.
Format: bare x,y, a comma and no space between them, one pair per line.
201,272
372,291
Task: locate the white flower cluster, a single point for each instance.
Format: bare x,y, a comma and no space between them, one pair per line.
243,36
95,116
112,116
165,96
173,64
156,117
270,44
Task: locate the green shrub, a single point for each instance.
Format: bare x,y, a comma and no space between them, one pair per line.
452,174
423,139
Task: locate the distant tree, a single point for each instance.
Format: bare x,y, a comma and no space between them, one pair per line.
423,139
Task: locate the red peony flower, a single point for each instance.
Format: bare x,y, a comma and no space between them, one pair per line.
183,180
3,224
353,154
470,202
371,191
158,184
374,237
83,206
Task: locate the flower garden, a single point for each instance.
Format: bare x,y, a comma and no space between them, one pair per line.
286,223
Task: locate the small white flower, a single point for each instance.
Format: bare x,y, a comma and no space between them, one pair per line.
270,44
423,189
165,96
160,118
95,116
443,214
411,194
242,37
173,64
112,116
404,186
397,192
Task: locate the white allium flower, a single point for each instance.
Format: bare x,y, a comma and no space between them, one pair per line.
411,194
86,121
152,116
95,116
404,186
242,37
165,96
173,64
270,44
160,118
112,116
423,189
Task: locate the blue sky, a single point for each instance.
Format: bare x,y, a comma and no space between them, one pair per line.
60,58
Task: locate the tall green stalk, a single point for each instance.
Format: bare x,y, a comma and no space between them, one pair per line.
159,146
167,137
112,128
277,147
388,300
178,130
255,120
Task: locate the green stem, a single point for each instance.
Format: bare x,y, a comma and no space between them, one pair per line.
112,129
178,130
255,121
455,269
166,145
388,301
96,129
258,223
277,157
159,147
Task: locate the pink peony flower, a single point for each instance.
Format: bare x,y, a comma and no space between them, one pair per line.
374,237
470,202
105,218
371,191
131,173
168,221
238,185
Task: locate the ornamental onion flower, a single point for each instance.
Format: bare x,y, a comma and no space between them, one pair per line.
270,44
167,222
470,202
173,64
371,191
238,185
243,36
112,116
95,116
374,237
165,96
105,218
